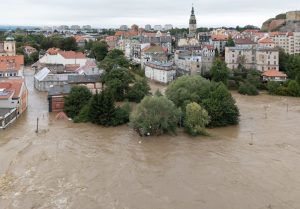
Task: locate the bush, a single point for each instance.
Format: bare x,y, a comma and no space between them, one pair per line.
272,87
122,114
293,88
155,115
221,106
196,118
247,89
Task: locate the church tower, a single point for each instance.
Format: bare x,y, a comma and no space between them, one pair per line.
193,23
10,46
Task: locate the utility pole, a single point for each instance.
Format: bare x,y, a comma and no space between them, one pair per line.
37,125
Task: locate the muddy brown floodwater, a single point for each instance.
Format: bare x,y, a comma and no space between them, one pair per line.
70,166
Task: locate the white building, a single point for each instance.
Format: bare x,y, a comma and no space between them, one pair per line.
124,27
86,27
289,41
56,56
259,58
160,72
148,27
158,27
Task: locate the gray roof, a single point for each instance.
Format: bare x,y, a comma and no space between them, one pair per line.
59,90
42,74
83,78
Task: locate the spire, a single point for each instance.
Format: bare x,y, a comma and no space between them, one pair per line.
193,12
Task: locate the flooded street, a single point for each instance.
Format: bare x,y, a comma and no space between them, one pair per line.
73,166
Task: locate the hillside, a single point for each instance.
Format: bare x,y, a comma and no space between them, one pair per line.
289,21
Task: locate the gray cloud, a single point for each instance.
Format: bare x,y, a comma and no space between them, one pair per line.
112,13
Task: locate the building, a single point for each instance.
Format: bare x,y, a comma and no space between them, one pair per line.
289,41
160,72
168,27
56,97
56,56
158,27
7,116
192,24
14,94
244,42
259,58
28,50
47,78
188,63
11,66
266,42
86,27
8,47
274,75
219,42
124,27
75,27
153,53
148,27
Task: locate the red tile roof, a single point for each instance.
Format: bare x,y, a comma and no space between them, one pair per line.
126,33
266,40
11,63
243,41
72,55
11,86
66,54
154,48
274,73
219,37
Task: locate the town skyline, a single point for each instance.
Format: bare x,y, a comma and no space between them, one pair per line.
112,14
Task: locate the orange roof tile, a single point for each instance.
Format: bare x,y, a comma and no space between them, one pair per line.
274,73
12,86
72,55
219,37
266,40
11,62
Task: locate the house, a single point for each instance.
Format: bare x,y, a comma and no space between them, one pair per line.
244,42
188,63
274,75
28,50
153,53
266,42
56,97
219,42
160,72
13,100
57,56
11,66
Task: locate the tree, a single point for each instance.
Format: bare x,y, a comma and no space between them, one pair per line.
187,89
214,97
139,90
221,106
117,81
272,87
230,42
219,71
99,50
114,59
196,118
155,115
294,88
79,96
68,44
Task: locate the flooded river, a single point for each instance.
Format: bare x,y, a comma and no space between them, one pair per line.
80,166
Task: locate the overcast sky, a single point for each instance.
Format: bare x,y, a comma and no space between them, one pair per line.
113,13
